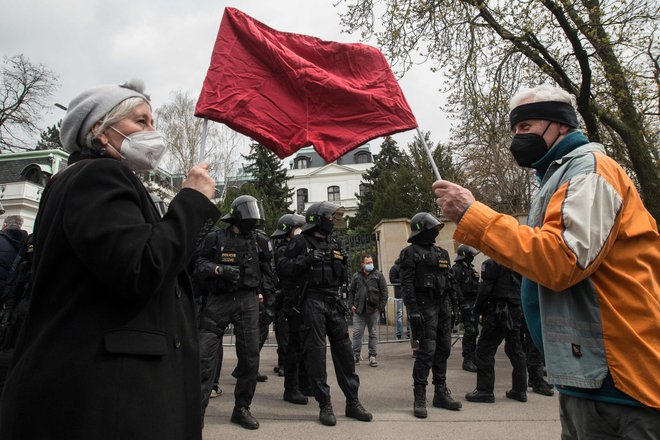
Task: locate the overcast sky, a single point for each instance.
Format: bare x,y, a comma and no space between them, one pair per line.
168,44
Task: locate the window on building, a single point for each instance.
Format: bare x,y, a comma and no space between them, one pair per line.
302,196
363,190
302,162
362,157
333,194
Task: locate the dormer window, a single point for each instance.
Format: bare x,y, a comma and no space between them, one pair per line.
302,162
362,157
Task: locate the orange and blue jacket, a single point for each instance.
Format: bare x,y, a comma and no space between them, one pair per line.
593,251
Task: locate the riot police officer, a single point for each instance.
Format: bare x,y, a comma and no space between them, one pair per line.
426,292
288,226
467,281
228,265
499,303
317,259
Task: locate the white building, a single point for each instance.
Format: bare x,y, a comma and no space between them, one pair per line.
314,180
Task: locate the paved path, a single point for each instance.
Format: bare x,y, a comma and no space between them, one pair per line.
386,391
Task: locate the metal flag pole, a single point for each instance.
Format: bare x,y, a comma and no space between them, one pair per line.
428,152
202,143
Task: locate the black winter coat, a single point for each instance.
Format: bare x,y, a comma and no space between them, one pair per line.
109,349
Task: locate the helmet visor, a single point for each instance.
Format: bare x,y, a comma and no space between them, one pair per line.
252,210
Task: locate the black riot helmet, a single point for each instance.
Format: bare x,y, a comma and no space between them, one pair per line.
465,252
286,224
246,212
422,222
321,217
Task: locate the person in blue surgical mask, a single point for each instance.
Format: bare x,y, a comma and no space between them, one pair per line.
367,297
110,342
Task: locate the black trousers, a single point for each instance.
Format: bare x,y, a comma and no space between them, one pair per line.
435,346
323,319
533,356
240,308
471,330
493,332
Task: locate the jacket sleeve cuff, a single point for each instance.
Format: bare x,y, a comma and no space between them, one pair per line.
473,224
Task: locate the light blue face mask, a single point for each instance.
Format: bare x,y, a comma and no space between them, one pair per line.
368,267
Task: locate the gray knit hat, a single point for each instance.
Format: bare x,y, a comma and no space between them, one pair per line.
90,107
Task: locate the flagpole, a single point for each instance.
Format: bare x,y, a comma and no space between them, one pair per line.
428,152
202,144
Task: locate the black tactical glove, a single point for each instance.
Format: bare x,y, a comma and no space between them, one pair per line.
266,316
416,325
230,273
314,257
344,254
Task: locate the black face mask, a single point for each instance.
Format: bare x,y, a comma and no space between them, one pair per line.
529,148
246,226
326,226
427,236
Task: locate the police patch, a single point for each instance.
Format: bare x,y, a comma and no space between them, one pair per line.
228,257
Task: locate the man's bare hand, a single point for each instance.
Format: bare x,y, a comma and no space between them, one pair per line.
199,179
452,199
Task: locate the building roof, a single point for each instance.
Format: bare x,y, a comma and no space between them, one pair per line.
13,165
315,160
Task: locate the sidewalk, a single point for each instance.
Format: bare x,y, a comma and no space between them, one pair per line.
386,391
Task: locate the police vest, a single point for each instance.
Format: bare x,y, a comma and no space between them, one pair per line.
431,269
507,285
240,251
468,281
330,272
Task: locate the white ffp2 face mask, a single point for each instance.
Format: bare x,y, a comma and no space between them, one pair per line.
142,150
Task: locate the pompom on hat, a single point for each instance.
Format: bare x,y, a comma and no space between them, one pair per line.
91,106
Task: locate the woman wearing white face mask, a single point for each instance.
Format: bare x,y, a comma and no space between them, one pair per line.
110,344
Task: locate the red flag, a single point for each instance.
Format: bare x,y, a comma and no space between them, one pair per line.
288,91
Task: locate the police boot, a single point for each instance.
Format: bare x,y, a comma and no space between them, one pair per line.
355,410
468,364
442,398
419,406
241,415
295,396
542,387
327,415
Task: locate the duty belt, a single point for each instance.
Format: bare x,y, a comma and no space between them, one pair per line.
329,298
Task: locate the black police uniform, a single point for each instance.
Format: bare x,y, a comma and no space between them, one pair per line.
499,304
291,325
230,302
425,286
467,282
323,314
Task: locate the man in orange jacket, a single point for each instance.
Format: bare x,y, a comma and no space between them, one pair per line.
590,260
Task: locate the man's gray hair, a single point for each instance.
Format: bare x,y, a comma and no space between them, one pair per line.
15,221
542,93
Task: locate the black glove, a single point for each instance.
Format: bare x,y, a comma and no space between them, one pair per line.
344,254
314,257
416,325
267,316
230,273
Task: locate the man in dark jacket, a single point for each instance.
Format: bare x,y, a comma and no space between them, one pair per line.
229,265
426,289
318,260
12,238
367,297
499,304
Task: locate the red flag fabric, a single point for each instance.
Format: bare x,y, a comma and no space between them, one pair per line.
288,91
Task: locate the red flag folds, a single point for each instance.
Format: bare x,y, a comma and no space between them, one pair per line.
288,91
